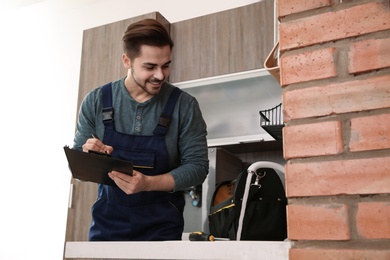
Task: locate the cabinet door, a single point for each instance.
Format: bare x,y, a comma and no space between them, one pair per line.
226,42
100,64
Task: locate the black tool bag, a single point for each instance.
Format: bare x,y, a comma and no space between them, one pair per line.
265,213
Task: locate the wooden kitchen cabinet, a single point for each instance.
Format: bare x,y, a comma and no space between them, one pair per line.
227,42
221,43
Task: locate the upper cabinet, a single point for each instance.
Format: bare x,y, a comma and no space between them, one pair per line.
231,103
219,59
221,43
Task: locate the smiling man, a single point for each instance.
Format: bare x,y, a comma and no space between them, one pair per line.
144,119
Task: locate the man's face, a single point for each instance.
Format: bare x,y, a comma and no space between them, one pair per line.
150,70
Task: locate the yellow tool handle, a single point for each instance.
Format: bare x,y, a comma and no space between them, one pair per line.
200,236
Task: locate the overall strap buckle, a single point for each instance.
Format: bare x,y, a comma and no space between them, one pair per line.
108,114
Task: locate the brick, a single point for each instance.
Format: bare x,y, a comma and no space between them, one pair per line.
340,253
318,222
338,177
349,22
370,133
369,55
373,220
318,64
337,98
286,7
314,139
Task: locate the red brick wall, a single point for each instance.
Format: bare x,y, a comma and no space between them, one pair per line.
335,74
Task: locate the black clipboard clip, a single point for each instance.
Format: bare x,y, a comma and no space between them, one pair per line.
99,153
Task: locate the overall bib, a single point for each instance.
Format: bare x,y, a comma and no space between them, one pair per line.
145,216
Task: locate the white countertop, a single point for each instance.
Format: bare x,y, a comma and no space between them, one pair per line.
251,250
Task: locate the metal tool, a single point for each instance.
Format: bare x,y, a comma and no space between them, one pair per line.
201,236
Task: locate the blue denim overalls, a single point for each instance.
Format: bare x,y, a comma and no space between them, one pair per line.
145,216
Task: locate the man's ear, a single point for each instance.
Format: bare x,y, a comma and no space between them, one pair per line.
126,61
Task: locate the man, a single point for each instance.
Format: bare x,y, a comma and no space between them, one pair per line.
144,119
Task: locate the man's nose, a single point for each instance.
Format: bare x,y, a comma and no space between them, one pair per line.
159,74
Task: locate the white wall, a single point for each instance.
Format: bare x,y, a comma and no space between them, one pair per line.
40,50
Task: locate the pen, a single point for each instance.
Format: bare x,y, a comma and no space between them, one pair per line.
105,153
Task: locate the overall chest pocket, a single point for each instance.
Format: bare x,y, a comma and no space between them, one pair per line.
139,158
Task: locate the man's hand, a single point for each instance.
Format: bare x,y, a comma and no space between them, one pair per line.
130,184
139,182
95,144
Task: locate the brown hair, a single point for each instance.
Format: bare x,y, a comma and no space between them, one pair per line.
145,32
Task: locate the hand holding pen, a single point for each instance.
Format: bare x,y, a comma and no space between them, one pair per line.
95,144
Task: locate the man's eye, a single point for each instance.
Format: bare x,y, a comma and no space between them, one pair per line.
149,68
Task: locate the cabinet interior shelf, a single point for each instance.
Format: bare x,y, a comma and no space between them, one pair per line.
231,103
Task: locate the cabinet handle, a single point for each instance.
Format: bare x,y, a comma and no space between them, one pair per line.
70,200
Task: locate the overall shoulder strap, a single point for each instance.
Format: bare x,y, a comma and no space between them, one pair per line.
108,111
166,116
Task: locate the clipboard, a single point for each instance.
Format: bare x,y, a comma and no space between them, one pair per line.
94,167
